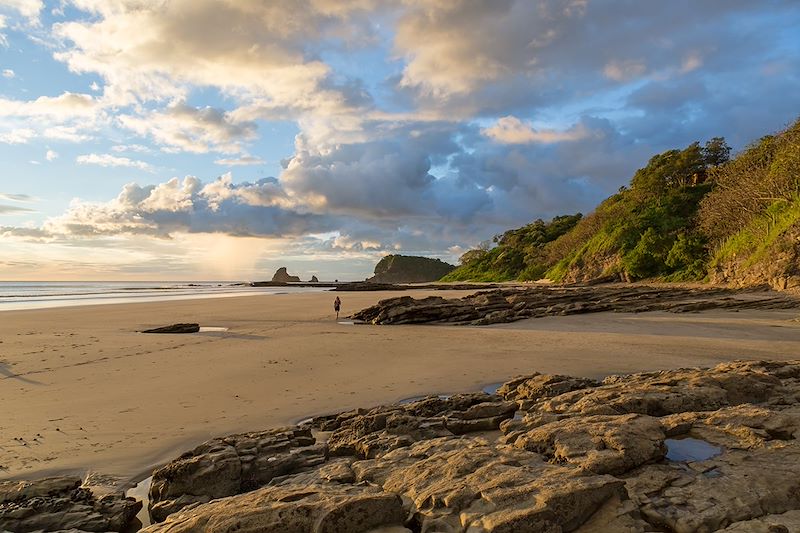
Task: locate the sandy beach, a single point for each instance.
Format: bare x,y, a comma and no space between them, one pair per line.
82,390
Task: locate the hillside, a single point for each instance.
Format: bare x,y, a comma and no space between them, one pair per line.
409,269
688,215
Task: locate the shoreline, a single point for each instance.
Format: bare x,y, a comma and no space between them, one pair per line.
144,399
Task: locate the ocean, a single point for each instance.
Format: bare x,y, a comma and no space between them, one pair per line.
15,295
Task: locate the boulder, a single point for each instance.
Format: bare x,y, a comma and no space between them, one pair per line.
175,328
282,276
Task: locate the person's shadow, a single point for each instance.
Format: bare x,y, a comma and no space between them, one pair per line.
5,370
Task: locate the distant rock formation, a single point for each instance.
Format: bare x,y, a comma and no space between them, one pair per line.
175,328
409,269
282,276
313,279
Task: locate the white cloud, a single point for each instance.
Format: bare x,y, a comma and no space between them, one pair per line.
138,148
240,161
8,73
511,130
51,155
108,160
65,106
27,8
196,130
66,133
17,136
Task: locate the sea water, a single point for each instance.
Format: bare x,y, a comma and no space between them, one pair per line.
40,294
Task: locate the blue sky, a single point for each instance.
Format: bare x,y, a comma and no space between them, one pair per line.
201,139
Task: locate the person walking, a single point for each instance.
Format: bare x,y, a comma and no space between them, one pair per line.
337,304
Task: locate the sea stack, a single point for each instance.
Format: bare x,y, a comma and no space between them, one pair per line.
282,276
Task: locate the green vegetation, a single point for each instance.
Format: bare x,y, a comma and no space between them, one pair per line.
519,254
684,214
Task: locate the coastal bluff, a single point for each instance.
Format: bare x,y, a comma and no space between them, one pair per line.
409,269
684,450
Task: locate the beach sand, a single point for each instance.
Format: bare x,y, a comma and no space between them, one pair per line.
86,392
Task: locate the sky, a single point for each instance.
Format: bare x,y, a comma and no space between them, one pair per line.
222,139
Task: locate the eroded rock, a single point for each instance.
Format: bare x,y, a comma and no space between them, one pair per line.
572,454
511,304
60,503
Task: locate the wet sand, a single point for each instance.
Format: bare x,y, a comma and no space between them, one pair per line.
82,391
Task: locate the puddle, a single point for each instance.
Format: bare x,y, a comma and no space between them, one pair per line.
689,449
492,388
211,329
141,492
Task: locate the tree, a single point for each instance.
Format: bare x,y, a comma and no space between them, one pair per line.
716,152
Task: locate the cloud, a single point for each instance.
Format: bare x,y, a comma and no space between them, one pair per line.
268,54
17,136
27,8
189,206
190,129
511,130
625,70
8,73
66,105
138,148
240,161
13,210
51,155
16,197
108,160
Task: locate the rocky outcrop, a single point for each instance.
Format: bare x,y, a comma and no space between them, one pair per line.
409,269
313,279
571,454
231,465
175,328
779,266
60,503
509,305
282,276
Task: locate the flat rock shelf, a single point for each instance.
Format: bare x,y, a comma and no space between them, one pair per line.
512,304
687,450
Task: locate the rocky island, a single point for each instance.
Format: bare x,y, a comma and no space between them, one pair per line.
409,269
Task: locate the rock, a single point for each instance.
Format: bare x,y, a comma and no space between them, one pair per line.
774,523
231,465
409,269
510,304
292,508
539,386
580,456
175,328
460,484
60,503
282,276
313,279
598,444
